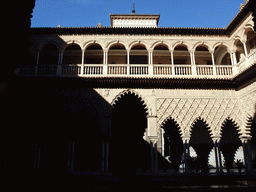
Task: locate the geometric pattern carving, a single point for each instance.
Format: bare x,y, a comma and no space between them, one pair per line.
213,111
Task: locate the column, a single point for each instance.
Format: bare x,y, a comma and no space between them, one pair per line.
82,66
234,58
231,58
193,65
213,63
105,156
186,153
153,138
247,154
172,59
128,62
217,152
59,66
150,64
154,154
245,48
37,63
105,62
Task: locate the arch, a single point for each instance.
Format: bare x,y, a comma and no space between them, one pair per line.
181,54
155,44
50,42
169,118
49,54
121,94
161,54
222,54
128,126
220,44
91,42
117,53
111,43
138,54
173,144
72,54
246,29
201,43
132,44
68,43
202,54
229,142
202,143
180,43
94,53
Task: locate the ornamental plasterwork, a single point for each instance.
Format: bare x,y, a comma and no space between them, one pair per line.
213,111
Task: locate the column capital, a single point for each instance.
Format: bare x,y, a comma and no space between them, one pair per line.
185,139
245,138
153,139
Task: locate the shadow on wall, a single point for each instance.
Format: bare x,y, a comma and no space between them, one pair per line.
56,128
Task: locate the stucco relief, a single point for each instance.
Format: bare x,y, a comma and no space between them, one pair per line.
213,111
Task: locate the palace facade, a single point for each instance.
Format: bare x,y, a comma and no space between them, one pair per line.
138,98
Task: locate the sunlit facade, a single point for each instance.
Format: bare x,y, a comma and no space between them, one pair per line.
161,99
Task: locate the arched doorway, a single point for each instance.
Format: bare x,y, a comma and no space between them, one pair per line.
173,146
129,152
202,144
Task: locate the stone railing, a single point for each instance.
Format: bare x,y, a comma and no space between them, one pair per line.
161,70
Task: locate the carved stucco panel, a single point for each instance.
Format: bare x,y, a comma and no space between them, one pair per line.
213,111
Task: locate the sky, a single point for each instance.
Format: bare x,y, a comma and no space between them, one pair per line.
173,13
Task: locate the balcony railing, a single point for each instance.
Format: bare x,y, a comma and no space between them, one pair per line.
165,70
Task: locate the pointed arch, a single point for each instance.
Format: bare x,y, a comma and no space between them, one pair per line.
173,144
229,142
125,92
202,143
168,119
129,151
202,122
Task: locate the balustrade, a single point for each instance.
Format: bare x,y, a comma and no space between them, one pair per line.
140,70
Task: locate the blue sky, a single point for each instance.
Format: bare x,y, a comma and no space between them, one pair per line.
174,13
